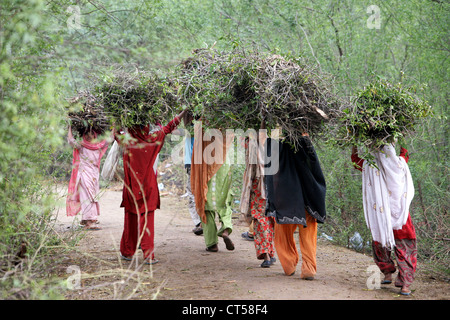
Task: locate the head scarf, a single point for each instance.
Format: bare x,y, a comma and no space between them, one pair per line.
387,194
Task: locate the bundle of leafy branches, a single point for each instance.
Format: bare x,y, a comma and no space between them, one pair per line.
86,114
137,99
240,89
381,113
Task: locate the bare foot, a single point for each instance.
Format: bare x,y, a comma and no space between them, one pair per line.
91,225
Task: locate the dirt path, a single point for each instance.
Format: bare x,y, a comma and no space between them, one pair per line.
187,271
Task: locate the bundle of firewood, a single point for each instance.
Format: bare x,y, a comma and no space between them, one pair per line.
240,89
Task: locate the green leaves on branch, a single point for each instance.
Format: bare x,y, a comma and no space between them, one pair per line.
236,90
138,99
126,100
381,113
241,88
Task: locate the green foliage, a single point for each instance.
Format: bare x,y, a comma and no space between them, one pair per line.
217,86
242,88
345,213
137,99
382,113
29,130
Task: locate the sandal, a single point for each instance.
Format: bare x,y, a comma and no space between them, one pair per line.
150,261
387,278
247,236
126,258
228,243
405,291
198,230
213,248
266,264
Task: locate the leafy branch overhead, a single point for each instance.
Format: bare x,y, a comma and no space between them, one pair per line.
381,113
125,100
240,89
236,90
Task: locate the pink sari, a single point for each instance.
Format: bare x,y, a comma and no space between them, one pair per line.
85,174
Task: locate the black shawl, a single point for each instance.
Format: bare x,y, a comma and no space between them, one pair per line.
298,184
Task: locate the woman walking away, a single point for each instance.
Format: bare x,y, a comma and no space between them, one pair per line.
140,196
387,194
253,200
296,199
84,180
211,187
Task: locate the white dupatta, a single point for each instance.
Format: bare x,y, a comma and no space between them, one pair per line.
387,194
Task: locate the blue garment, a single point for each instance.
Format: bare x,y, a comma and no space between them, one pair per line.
188,145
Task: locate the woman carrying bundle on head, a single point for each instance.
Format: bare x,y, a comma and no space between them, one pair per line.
140,196
296,199
84,181
253,199
211,185
388,190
